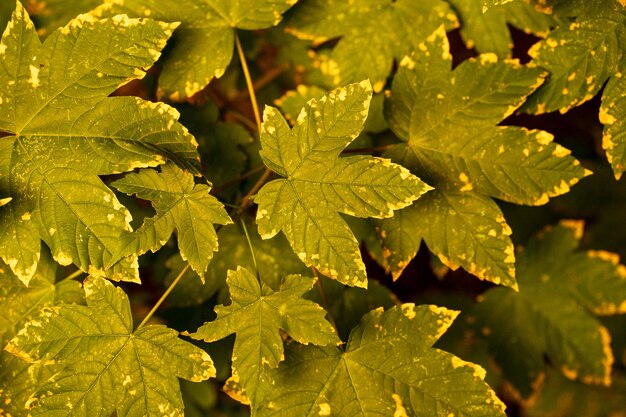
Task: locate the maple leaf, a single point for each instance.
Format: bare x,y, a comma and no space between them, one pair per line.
65,131
205,39
560,292
388,368
256,315
487,31
106,367
373,33
319,184
180,204
582,56
448,120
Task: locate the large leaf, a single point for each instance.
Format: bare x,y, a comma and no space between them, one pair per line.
373,33
206,38
256,315
488,31
560,291
106,366
319,185
388,368
448,120
65,131
180,204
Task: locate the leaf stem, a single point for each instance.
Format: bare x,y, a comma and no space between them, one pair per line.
246,73
163,297
73,275
245,230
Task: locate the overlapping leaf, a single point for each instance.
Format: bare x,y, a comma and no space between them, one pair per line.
180,204
20,304
106,367
581,56
256,315
65,132
319,185
273,258
561,290
206,38
373,33
388,368
488,31
448,120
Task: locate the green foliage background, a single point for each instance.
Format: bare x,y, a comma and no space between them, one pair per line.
312,208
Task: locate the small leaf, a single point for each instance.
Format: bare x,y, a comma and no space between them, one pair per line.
487,30
319,185
256,315
180,204
580,56
106,367
388,368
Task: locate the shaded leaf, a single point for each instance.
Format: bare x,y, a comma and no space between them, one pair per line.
206,37
487,31
560,291
373,33
256,315
106,366
319,185
388,368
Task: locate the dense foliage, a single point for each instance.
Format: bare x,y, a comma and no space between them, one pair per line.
425,219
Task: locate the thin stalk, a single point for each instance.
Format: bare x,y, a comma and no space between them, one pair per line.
73,275
237,179
245,203
163,297
245,230
249,83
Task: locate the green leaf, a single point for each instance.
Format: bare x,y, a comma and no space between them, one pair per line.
581,56
319,185
448,119
487,4
179,204
373,33
388,368
560,397
560,291
106,366
65,131
612,109
256,315
487,31
20,304
205,39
